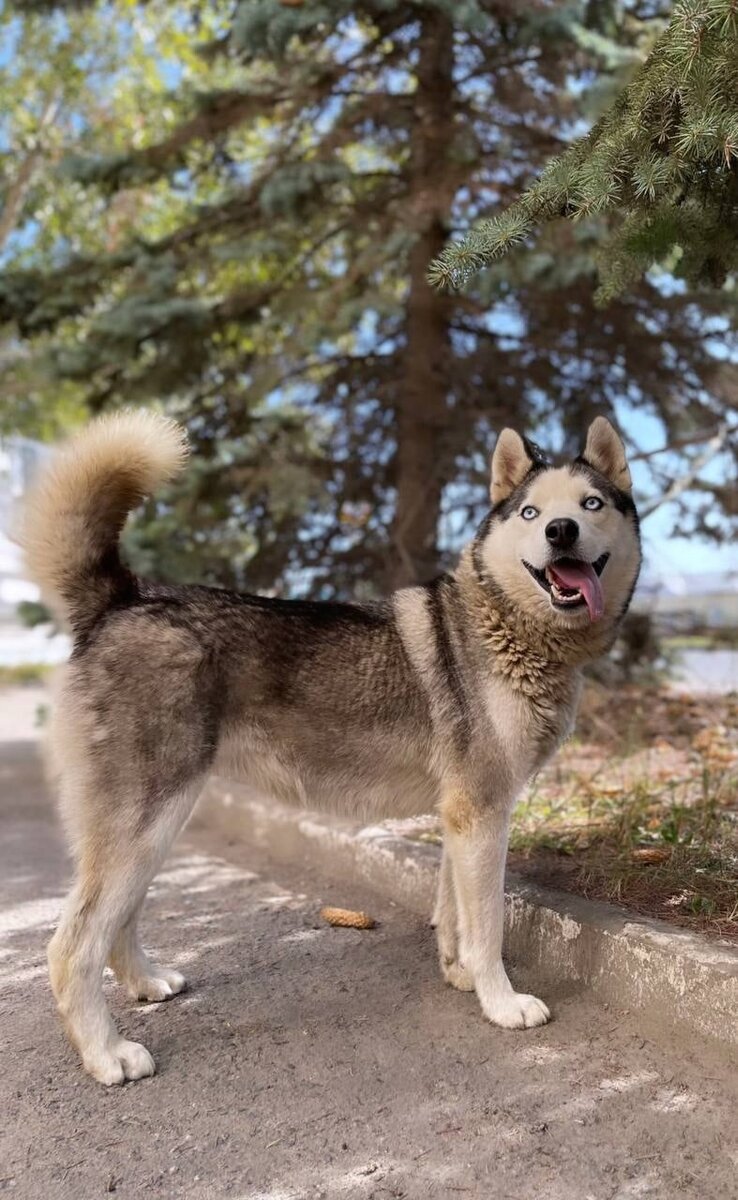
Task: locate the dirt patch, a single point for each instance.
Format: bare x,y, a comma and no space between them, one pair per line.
641,809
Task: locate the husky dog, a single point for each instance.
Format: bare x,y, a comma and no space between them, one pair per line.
449,695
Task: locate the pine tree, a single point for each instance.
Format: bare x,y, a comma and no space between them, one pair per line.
271,284
665,156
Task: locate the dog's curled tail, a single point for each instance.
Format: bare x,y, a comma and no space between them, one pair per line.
75,512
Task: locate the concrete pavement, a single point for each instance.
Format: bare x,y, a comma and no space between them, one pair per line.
310,1062
656,970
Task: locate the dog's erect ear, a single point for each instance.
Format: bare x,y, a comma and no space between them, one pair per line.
511,462
606,453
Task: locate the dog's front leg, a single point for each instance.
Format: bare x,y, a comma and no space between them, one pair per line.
446,922
475,837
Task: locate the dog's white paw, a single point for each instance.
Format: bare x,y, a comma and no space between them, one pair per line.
121,1061
457,975
516,1010
161,986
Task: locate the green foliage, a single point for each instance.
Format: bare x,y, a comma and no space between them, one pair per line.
664,155
235,218
31,613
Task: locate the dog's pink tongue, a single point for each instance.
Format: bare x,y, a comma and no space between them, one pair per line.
583,577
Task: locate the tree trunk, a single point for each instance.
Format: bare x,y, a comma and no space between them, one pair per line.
422,408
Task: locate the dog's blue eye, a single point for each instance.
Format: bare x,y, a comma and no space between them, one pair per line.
592,503
529,513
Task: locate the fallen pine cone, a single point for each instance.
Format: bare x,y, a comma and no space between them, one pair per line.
650,854
346,918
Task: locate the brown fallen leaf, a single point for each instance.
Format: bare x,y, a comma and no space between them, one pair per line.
347,918
708,738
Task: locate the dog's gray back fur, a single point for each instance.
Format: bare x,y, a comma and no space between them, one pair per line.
362,707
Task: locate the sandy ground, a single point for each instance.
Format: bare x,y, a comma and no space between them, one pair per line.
312,1062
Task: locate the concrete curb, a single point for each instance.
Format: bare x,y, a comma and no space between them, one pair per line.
630,962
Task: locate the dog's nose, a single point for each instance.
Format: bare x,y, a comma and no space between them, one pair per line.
562,533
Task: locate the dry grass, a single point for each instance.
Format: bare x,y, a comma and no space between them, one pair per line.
641,808
25,675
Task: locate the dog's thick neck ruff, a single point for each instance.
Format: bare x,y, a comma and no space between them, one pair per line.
531,658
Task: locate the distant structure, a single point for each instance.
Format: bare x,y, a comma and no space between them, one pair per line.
690,603
19,646
19,459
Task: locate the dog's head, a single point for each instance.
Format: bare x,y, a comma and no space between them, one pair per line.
561,543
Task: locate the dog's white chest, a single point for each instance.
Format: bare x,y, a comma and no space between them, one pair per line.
513,728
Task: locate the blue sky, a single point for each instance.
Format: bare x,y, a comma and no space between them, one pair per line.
663,553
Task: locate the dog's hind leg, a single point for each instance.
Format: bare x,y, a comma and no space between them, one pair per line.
445,920
120,847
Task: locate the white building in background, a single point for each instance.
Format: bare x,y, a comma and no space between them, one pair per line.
19,458
682,602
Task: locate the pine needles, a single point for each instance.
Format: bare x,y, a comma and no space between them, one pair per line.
663,156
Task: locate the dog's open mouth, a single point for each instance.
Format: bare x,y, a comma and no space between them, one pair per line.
572,584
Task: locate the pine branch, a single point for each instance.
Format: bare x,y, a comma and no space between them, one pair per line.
715,445
681,443
218,113
665,157
20,185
